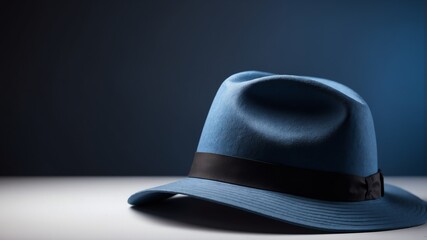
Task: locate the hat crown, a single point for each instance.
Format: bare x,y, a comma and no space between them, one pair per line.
303,122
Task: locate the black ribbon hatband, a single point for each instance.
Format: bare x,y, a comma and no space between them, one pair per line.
279,178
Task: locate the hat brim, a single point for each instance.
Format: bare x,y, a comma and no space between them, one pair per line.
397,209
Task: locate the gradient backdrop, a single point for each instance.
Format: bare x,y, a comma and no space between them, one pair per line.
123,87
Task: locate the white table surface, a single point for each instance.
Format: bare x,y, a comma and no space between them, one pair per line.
96,208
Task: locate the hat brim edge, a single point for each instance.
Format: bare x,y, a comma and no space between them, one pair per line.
397,209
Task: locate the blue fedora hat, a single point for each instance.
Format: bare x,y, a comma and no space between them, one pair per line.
297,149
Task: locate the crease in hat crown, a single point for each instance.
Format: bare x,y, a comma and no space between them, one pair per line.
304,122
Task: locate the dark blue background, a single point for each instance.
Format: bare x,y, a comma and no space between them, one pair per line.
123,87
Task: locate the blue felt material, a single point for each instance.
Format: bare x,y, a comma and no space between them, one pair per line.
397,209
298,121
